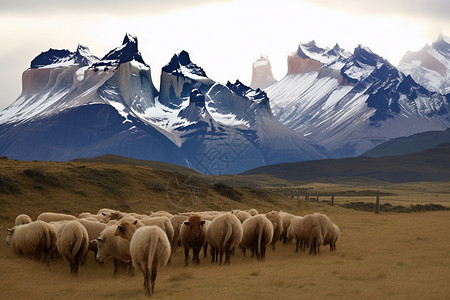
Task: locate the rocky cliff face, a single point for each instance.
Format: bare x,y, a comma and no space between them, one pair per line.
262,76
430,66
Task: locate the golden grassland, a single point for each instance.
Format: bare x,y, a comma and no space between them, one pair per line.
386,255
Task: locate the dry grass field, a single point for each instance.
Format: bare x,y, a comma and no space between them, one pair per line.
379,256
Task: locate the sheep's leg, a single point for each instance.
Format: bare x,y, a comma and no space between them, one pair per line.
146,283
205,250
196,253
186,256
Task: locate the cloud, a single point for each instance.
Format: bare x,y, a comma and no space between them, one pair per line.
118,8
437,10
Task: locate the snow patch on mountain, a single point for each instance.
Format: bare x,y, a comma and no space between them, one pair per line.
430,66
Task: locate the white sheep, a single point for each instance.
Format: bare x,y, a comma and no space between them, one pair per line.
54,217
36,239
306,230
223,235
73,243
257,235
162,222
330,231
22,219
149,248
177,221
286,220
113,247
94,229
242,215
253,211
332,237
277,223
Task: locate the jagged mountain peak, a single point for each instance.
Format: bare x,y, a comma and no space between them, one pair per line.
84,57
52,57
442,45
430,66
262,76
128,51
364,55
197,98
258,96
181,64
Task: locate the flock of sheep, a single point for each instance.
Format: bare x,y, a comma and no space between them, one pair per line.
146,242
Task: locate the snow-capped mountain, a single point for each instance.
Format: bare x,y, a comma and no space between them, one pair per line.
262,76
349,103
74,105
430,66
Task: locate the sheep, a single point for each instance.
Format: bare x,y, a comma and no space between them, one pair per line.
277,223
177,221
112,215
286,220
332,237
160,213
22,219
149,248
111,246
73,244
54,217
94,230
90,216
242,215
223,235
330,231
257,234
36,239
253,212
162,222
306,230
193,235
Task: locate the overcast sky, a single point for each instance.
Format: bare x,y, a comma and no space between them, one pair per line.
223,37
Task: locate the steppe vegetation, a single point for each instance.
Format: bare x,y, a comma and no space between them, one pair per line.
386,255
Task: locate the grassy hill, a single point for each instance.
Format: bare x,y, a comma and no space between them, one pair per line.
386,255
410,144
429,165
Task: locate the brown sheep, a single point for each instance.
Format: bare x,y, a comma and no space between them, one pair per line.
257,234
73,243
223,235
193,235
36,239
277,223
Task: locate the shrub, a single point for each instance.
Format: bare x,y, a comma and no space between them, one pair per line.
227,191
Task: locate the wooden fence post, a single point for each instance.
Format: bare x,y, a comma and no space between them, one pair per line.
377,205
332,199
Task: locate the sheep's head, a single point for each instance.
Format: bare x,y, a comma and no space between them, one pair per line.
195,225
10,235
126,229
